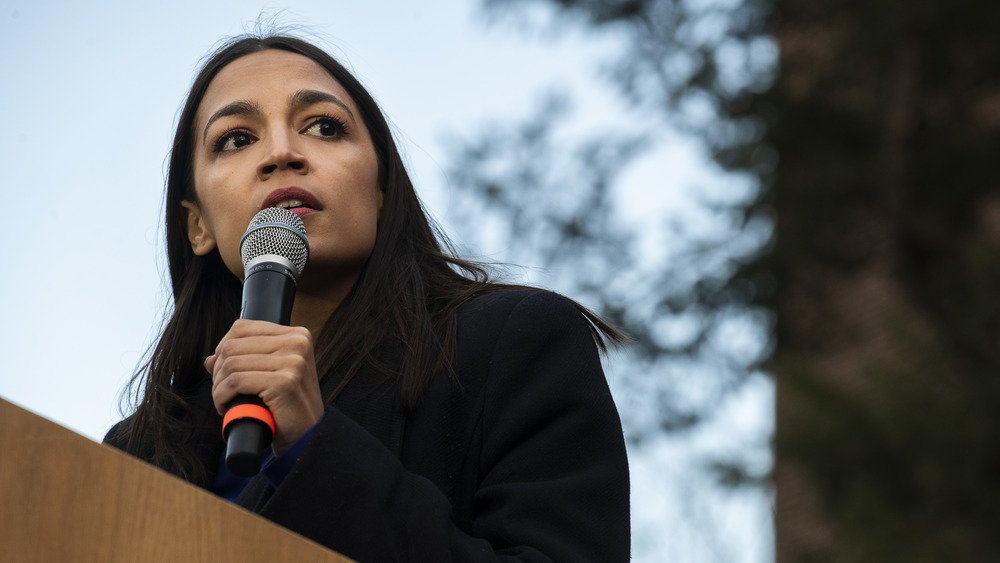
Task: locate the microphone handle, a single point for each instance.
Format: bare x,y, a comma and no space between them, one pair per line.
268,294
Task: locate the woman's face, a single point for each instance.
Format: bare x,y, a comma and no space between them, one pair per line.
275,129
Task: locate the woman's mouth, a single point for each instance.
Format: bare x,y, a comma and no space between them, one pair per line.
301,211
294,199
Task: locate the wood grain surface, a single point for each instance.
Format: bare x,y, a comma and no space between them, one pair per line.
64,497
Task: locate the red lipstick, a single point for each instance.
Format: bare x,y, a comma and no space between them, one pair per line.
309,202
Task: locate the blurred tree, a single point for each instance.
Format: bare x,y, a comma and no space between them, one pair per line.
875,244
555,194
887,257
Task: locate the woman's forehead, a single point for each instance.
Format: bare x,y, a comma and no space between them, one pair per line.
266,74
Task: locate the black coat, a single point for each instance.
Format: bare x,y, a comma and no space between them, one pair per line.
521,459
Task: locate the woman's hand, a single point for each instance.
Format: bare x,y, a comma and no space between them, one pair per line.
275,363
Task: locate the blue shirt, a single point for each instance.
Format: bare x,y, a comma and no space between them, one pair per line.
274,469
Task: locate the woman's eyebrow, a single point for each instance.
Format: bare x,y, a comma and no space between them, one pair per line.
304,98
235,108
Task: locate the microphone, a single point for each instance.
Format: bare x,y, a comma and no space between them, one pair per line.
274,251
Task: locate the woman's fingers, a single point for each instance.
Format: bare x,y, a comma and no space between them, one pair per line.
275,363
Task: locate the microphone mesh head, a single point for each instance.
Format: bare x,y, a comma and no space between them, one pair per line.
276,231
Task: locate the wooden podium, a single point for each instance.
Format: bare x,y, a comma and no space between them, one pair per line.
64,497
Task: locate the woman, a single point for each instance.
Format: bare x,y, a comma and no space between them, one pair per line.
421,414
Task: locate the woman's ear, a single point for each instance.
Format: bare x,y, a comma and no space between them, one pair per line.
202,240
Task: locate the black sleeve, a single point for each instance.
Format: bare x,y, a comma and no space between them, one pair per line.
551,473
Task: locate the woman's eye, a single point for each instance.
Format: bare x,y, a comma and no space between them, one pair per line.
327,127
233,140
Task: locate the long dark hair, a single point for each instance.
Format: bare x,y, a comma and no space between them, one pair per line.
408,291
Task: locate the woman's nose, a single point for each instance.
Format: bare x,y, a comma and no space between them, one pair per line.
284,154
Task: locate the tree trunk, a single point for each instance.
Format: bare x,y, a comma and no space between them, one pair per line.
887,260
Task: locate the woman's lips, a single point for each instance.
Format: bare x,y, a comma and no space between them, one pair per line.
296,195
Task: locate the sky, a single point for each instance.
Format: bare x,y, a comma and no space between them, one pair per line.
89,95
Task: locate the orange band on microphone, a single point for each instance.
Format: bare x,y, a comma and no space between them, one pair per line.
255,412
